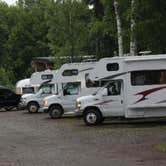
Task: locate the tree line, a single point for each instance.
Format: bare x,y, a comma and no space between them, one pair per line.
69,29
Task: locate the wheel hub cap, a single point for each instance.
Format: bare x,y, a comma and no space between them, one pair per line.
91,118
33,108
55,113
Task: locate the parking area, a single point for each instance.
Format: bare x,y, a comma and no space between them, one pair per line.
36,140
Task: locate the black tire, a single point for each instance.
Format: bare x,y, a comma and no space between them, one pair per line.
92,117
55,112
33,107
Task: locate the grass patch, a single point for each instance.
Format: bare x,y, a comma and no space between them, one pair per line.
161,148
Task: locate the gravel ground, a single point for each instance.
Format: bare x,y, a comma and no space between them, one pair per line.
36,140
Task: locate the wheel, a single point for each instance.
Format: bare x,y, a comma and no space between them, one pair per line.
92,117
33,107
55,112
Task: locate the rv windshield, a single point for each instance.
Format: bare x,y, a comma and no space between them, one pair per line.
48,89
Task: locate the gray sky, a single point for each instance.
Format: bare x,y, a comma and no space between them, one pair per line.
10,2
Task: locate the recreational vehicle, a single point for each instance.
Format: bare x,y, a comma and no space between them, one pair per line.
44,81
136,88
72,83
25,87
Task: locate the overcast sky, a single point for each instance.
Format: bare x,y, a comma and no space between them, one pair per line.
10,2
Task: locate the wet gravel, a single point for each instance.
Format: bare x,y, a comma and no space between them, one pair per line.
36,140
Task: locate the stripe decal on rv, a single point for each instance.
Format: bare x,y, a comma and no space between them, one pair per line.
160,102
113,76
105,102
86,69
147,92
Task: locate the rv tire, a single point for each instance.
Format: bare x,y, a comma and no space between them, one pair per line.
92,117
55,112
33,107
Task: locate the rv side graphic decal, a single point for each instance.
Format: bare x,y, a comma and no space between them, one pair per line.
160,102
147,92
91,68
105,102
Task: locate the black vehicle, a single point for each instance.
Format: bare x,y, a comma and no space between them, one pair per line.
8,99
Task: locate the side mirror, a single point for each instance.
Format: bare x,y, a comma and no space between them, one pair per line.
105,92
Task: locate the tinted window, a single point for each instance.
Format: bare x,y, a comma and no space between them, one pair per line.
112,66
150,77
70,72
47,77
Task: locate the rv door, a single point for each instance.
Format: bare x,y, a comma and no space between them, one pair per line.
113,100
71,91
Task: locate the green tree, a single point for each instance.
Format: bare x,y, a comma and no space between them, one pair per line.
67,21
151,32
101,26
28,38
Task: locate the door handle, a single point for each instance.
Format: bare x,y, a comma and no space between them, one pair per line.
121,101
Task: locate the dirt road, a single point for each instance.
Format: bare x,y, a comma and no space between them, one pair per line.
36,140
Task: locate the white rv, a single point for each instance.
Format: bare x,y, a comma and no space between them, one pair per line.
136,89
44,81
72,83
25,87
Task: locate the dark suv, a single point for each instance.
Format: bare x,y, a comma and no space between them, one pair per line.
8,99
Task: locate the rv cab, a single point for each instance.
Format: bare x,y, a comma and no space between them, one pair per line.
72,83
45,83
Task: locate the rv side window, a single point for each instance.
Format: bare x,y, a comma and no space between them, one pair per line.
150,77
114,88
72,72
27,90
112,67
46,76
71,88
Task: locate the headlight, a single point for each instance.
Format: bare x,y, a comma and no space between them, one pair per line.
78,104
45,102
